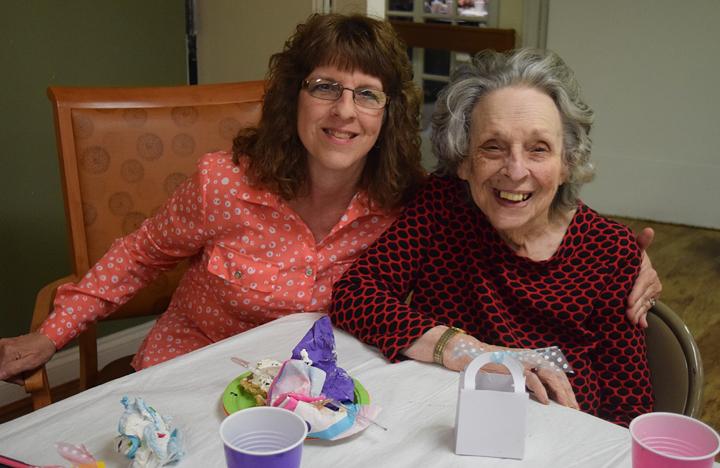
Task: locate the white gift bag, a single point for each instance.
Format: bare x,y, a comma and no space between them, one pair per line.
491,409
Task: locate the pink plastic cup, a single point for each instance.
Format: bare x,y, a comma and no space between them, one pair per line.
669,440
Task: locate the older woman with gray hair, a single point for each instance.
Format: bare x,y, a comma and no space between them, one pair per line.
500,253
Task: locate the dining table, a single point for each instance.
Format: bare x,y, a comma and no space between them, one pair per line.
418,402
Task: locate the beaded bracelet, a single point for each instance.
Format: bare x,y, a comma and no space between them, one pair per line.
443,341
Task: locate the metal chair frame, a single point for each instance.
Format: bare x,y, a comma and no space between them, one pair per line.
677,383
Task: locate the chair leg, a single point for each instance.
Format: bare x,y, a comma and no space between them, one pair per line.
38,386
87,343
114,370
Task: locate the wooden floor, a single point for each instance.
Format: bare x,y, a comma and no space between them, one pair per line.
688,262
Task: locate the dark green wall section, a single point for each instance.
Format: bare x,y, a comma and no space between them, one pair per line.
72,43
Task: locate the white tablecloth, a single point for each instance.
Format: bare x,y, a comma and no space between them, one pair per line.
418,403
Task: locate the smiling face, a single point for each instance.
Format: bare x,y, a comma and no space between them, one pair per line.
514,165
338,134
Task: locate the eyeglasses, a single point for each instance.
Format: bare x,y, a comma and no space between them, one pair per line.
368,98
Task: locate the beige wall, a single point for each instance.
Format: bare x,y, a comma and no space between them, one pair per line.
235,39
511,17
649,68
350,6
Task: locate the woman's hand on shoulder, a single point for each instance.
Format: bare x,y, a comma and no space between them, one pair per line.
647,287
23,353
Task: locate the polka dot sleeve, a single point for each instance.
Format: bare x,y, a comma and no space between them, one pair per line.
176,232
369,301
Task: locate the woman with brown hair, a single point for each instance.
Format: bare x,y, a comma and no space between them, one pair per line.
269,227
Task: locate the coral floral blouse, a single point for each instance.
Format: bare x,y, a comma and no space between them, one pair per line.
253,259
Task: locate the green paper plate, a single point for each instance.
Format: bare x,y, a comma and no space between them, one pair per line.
235,398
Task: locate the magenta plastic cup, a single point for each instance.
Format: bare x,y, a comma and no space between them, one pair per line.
669,440
263,437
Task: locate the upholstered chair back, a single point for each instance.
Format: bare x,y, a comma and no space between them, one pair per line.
123,151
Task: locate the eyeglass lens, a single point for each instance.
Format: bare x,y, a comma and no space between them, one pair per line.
331,91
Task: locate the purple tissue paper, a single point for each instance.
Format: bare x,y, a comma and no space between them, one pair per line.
319,343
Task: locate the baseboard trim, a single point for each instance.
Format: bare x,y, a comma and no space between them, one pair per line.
64,367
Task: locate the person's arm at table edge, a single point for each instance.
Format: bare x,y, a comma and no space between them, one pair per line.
130,264
542,384
143,257
383,291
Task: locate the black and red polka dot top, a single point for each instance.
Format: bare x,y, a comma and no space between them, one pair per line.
461,273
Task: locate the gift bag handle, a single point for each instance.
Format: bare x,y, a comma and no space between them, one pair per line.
498,357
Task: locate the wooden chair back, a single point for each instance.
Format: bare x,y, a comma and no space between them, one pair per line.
122,152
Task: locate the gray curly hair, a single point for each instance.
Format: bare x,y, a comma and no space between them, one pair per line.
490,71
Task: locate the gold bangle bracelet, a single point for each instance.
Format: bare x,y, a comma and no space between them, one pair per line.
443,341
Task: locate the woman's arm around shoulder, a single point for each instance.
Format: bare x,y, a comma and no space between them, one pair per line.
621,354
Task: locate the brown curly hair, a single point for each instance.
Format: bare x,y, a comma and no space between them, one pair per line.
277,157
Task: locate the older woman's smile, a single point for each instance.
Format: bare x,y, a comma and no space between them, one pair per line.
514,197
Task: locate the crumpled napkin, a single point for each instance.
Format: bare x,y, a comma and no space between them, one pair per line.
318,345
147,437
312,385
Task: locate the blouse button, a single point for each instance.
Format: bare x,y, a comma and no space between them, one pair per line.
308,272
237,274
